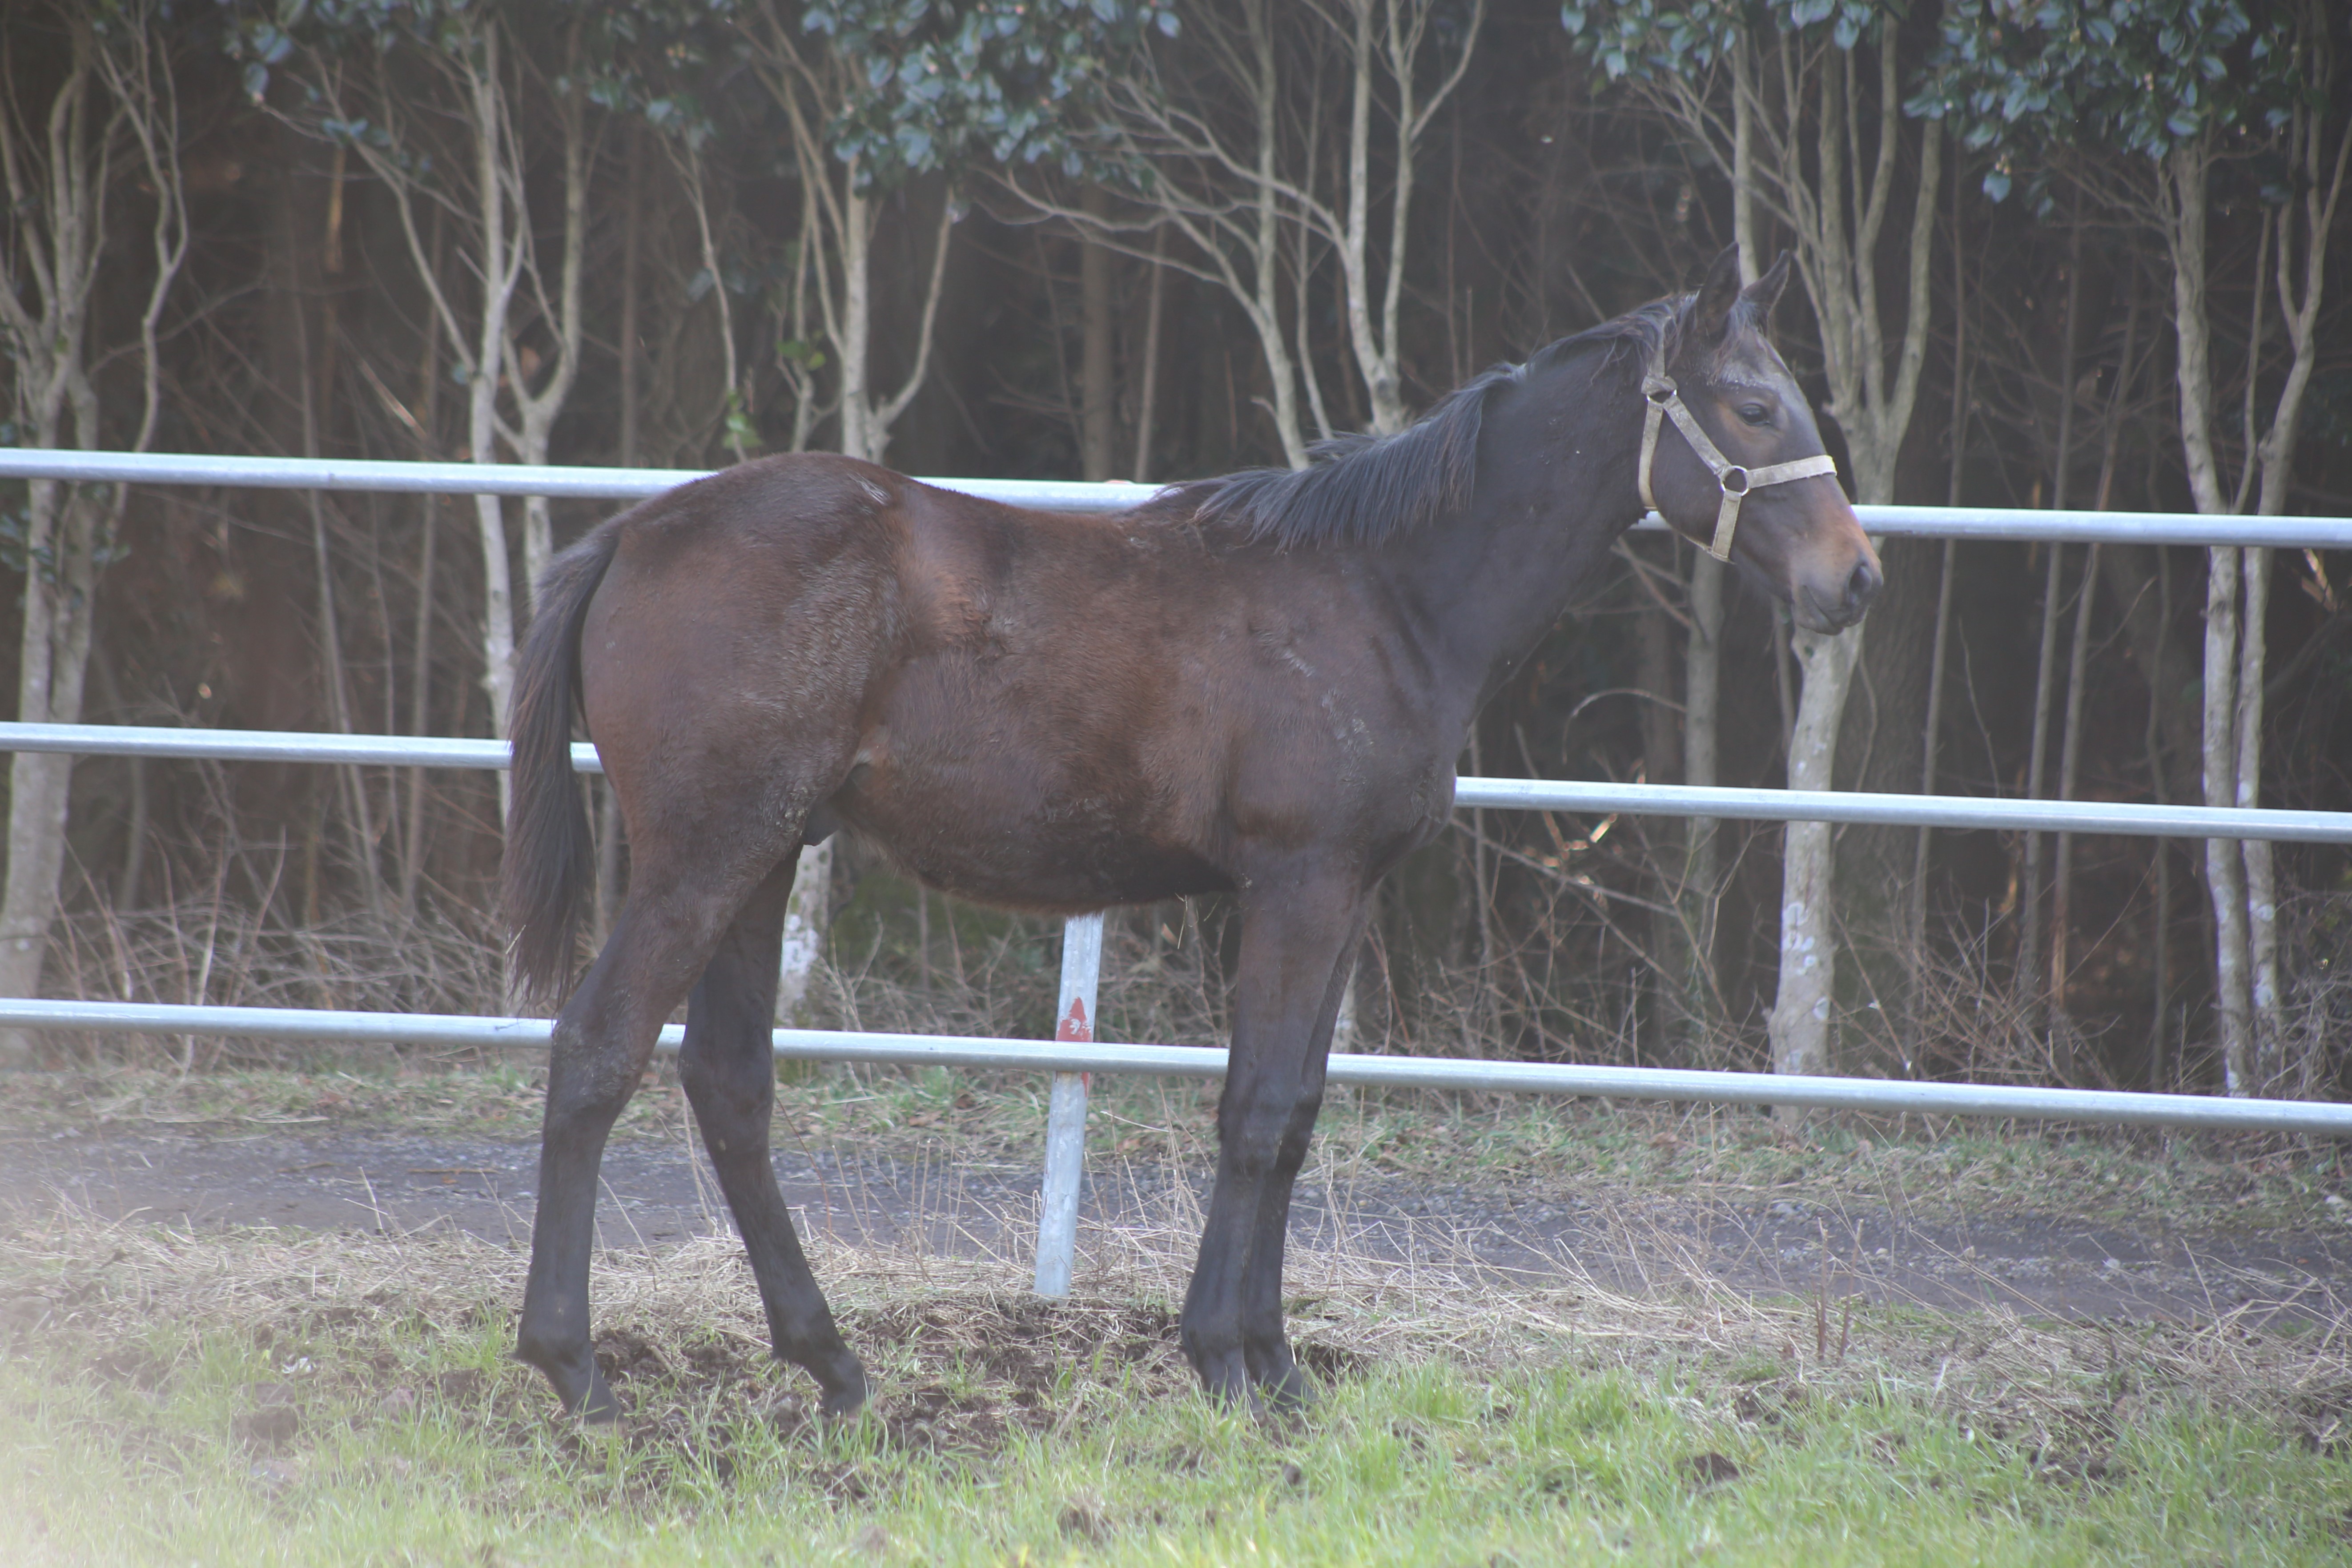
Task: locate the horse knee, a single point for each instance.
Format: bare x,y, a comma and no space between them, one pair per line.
587,1080
1269,1138
732,1094
715,1075
726,1066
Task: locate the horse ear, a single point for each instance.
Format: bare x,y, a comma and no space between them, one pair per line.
1712,313
1760,296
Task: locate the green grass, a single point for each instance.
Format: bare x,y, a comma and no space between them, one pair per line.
1413,1464
261,1398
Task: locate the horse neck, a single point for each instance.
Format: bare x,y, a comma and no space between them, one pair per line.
1556,487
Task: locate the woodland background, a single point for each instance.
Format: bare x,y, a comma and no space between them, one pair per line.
2072,255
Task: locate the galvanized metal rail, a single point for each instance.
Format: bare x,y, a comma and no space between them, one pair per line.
1069,1057
1979,522
1585,797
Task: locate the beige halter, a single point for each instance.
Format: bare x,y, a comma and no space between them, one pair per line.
1659,392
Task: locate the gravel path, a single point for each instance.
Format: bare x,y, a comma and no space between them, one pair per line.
2045,1265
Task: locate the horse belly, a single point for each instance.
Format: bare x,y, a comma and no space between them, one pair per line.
991,830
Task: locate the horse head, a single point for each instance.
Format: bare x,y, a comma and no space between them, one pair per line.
1742,471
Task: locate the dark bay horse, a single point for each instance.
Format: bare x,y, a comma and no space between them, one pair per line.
1256,685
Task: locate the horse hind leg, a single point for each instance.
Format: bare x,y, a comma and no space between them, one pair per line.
668,930
729,1069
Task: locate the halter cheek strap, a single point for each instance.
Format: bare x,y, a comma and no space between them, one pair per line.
1664,399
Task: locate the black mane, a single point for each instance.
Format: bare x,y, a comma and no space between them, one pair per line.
1364,490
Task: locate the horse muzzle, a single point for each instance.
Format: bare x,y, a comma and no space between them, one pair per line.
1831,604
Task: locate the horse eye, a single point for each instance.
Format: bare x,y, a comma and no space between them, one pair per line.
1756,414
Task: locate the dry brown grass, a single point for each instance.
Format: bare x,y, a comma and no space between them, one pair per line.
987,974
68,1275
222,953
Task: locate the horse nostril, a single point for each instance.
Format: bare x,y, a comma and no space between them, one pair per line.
1862,587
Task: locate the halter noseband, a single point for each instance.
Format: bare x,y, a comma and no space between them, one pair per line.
1661,396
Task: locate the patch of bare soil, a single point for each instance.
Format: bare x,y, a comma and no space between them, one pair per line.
355,1330
659,1193
352,1326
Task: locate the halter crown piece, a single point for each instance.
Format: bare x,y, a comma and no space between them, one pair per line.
1662,397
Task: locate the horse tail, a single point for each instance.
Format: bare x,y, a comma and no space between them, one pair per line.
551,864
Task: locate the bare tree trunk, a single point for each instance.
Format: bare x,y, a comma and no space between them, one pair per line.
493,245
806,915
1343,1023
420,667
631,350
1148,394
56,650
1798,1025
2319,190
734,421
2242,881
1744,89
1915,932
128,882
1260,205
2029,944
2224,868
1670,938
2159,1078
1265,239
2063,883
1703,650
538,409
2265,998
1098,380
1915,925
499,263
1702,727
420,671
1838,211
2062,888
2026,976
58,160
317,403
498,621
2181,194
359,820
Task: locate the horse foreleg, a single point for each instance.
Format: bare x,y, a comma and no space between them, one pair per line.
601,1046
1232,1330
729,1072
1265,1347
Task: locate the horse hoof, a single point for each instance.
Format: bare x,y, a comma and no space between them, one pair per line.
1225,1380
845,1403
1290,1397
599,1406
574,1377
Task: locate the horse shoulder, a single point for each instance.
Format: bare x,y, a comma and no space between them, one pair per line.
973,570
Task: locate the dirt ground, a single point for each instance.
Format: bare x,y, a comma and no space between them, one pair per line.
658,1193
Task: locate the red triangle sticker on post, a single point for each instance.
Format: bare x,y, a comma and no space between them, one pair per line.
1075,1026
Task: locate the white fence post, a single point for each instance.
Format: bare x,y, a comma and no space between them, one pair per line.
1065,1113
